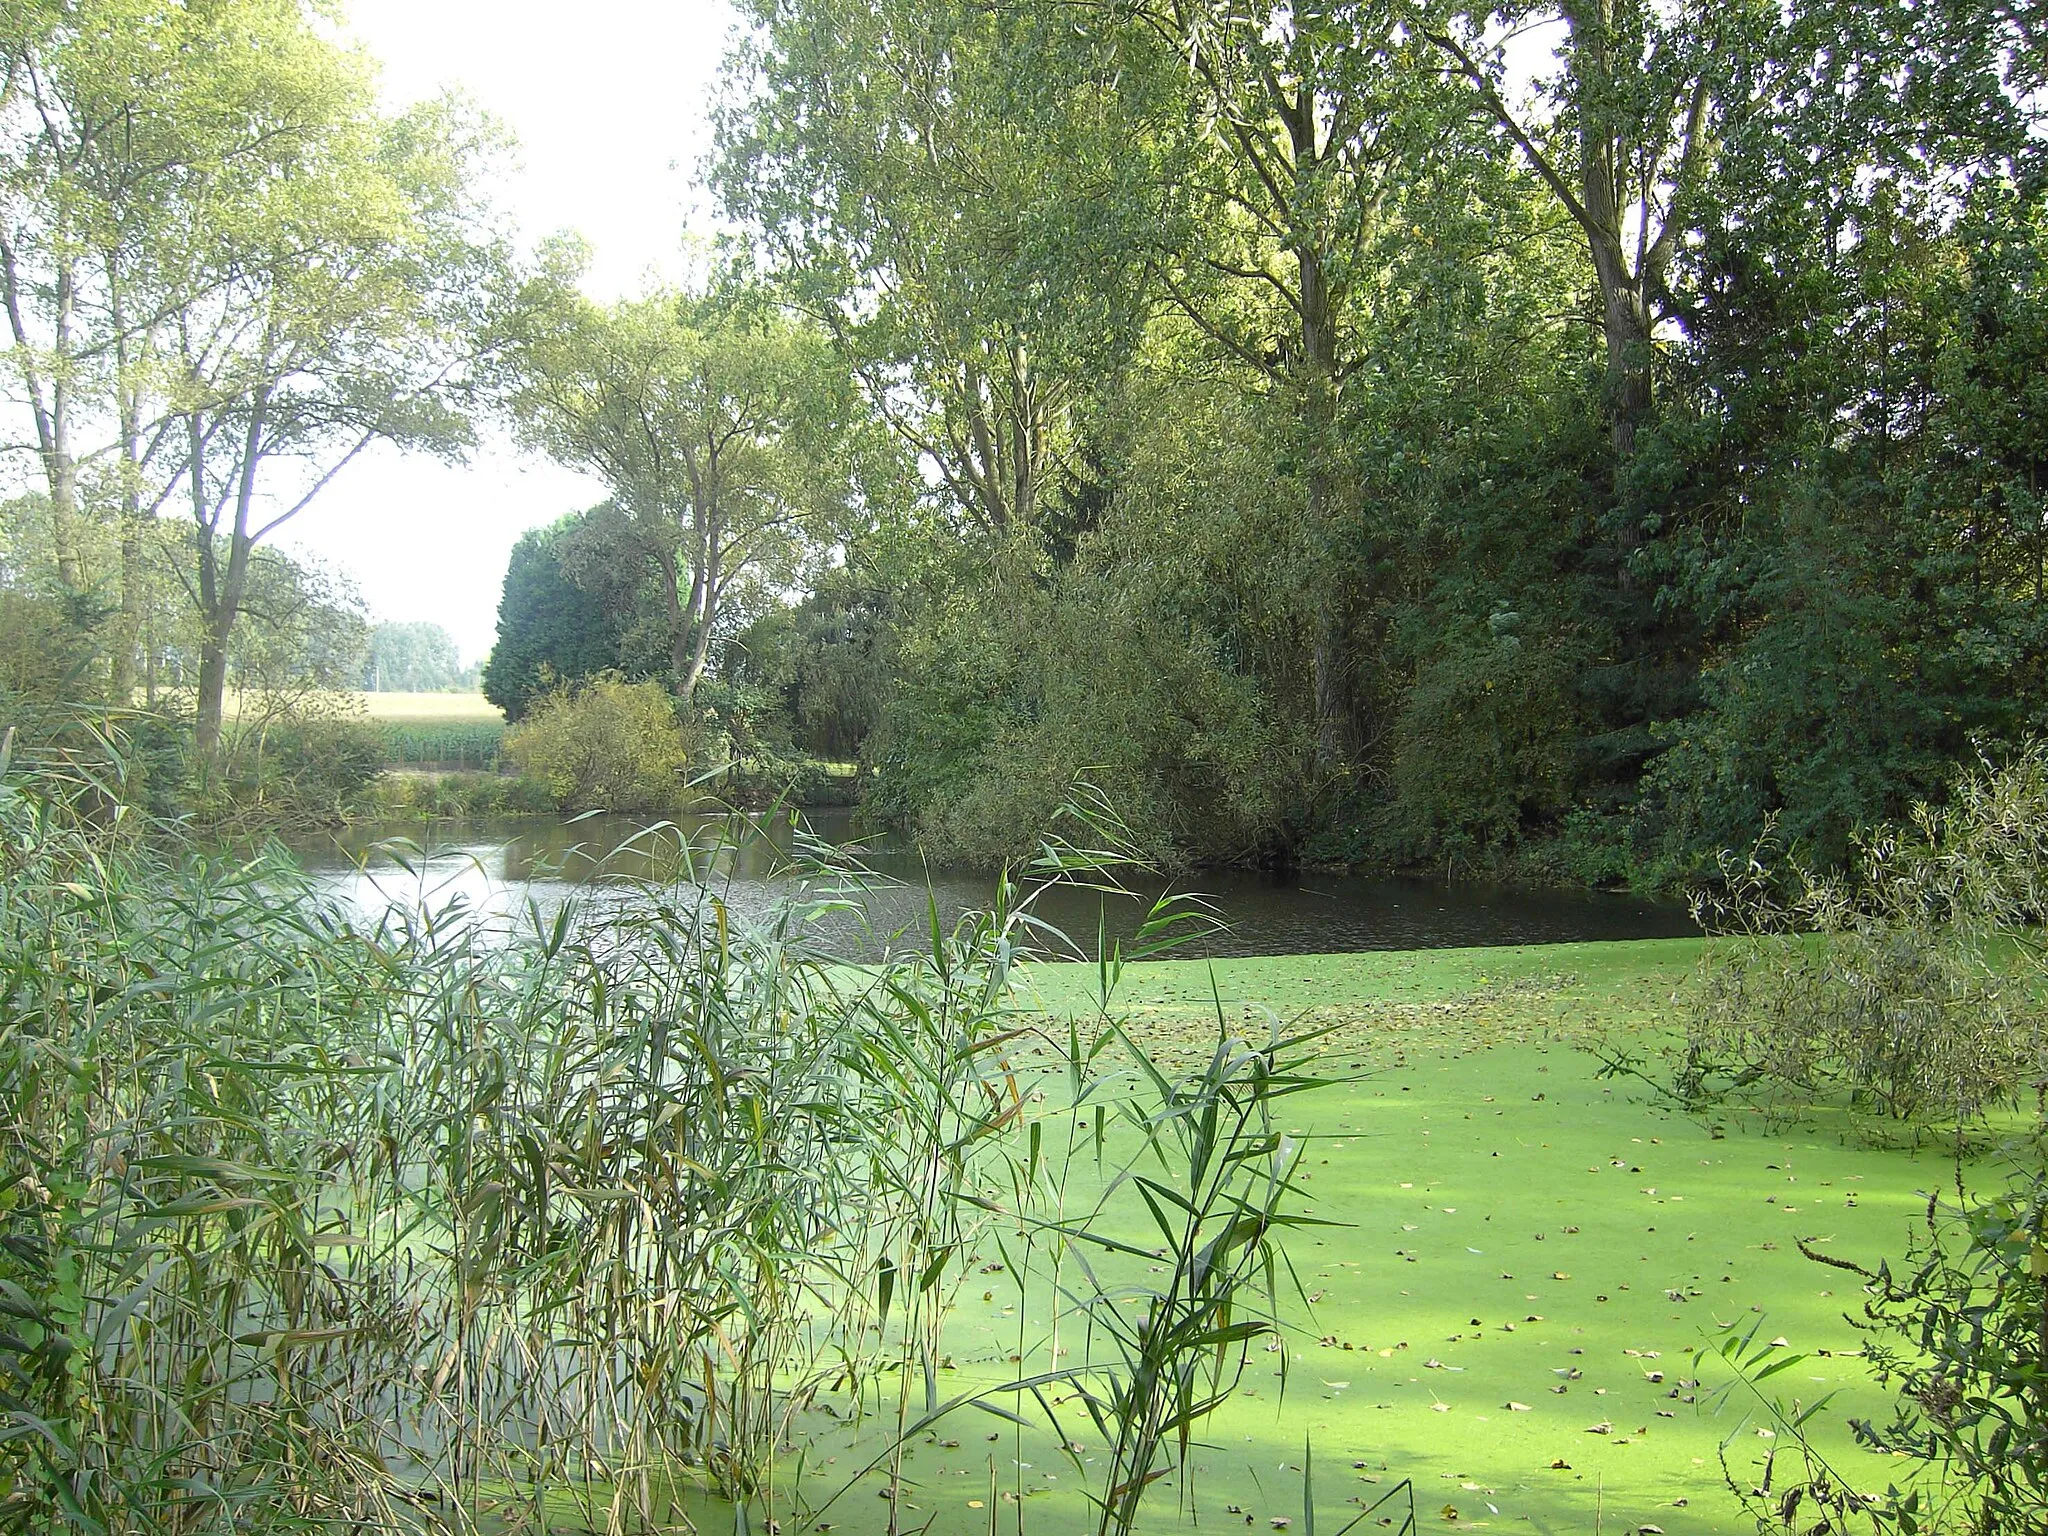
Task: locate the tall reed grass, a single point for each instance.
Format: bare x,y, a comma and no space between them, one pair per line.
417,1226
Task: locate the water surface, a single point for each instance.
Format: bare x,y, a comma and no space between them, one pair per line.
508,872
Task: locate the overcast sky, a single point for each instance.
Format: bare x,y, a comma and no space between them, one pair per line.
609,100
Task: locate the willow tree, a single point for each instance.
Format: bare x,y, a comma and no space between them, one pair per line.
955,213
1301,155
344,301
730,438
225,273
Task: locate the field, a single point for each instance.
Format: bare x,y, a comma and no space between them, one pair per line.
463,730
1528,1259
434,708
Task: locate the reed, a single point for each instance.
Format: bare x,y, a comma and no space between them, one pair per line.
424,1226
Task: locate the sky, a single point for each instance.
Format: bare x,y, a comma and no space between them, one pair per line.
609,100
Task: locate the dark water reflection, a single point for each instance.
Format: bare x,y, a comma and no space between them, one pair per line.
502,871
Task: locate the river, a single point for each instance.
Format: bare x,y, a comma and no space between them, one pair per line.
502,871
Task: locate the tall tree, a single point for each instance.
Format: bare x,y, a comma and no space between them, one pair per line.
216,257
955,214
342,311
726,432
1304,153
550,631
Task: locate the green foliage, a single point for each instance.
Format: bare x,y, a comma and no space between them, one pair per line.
1002,709
411,658
606,744
44,652
734,445
1915,986
1958,1332
828,657
1215,1176
550,631
304,1223
290,769
463,743
1483,747
1703,371
458,796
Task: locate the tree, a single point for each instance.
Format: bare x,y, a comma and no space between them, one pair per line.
222,260
411,658
112,113
345,317
550,631
956,214
726,432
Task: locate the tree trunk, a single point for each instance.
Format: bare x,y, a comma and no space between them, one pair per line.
50,403
134,576
221,600
677,613
213,687
707,606
121,671
1624,300
206,554
1318,385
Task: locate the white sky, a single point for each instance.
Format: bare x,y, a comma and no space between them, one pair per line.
609,100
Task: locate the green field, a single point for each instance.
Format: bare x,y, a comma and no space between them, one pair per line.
1509,1219
461,729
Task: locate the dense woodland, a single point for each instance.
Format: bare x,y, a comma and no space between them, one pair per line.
1557,438
1562,438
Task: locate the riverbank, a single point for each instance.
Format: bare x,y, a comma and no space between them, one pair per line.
1527,1258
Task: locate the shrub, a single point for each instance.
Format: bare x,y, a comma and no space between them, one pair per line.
453,796
1916,987
1957,1334
1002,712
310,764
1482,745
605,745
1960,1338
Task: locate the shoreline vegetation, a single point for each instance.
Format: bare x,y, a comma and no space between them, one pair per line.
384,1224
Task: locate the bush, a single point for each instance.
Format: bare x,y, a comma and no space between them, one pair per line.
307,766
1005,708
1956,1333
1917,985
453,796
1482,748
605,745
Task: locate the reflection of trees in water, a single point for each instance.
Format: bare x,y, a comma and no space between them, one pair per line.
518,871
